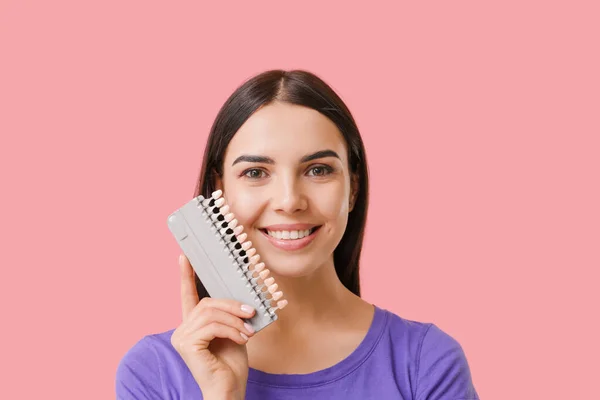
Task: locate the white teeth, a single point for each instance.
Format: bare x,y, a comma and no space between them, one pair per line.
276,296
270,281
289,235
264,274
259,267
281,303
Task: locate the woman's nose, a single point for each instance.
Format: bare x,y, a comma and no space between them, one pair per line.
288,197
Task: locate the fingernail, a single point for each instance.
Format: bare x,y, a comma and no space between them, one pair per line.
180,258
247,309
248,327
244,336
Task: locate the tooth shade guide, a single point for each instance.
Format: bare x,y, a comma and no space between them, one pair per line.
264,273
212,215
277,295
220,202
279,306
270,281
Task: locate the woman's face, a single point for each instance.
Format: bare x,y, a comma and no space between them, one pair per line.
286,179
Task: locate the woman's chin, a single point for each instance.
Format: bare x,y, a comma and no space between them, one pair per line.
290,268
290,272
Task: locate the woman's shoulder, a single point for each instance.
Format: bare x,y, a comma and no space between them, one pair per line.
436,357
415,333
151,349
150,368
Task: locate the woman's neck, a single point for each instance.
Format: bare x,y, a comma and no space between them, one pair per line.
312,298
320,308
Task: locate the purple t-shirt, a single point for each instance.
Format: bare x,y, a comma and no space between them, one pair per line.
397,359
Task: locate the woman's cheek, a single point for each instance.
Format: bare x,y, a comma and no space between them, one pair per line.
245,205
332,201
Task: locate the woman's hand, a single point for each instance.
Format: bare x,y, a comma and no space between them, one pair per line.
212,340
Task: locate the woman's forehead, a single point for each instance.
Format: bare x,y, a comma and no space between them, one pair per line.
286,131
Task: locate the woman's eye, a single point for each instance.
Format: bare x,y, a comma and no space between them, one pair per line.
254,173
320,170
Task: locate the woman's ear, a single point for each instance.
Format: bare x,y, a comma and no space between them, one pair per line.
354,185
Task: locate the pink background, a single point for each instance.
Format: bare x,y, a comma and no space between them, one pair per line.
481,124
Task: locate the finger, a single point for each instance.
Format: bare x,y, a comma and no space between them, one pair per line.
217,330
211,314
230,306
189,295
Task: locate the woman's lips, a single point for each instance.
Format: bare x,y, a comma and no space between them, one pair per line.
291,244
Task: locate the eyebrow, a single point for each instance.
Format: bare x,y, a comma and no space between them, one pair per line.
269,160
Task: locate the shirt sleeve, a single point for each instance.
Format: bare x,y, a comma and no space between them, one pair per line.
138,373
443,371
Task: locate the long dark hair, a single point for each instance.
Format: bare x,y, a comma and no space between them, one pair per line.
305,89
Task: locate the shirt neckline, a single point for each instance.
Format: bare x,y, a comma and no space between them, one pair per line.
333,373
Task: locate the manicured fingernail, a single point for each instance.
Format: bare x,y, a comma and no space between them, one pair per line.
247,309
180,258
248,327
244,336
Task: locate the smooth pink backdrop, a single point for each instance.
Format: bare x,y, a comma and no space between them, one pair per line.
481,123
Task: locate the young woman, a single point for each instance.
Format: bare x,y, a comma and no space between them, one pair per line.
288,158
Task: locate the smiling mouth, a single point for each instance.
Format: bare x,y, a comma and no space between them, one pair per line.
290,234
